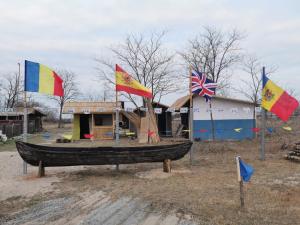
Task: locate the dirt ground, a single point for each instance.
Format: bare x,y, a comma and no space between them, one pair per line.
205,193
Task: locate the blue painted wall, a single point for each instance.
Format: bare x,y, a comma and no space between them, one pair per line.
224,129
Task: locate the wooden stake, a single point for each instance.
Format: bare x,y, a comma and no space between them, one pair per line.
240,180
167,166
41,172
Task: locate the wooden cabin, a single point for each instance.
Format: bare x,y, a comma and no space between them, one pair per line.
94,118
11,121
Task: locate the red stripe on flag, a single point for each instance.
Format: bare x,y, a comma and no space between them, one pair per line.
58,87
119,69
285,106
134,91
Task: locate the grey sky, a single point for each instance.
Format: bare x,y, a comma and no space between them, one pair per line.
71,33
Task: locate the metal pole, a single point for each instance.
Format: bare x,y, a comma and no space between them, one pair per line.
117,121
117,126
25,123
263,128
191,117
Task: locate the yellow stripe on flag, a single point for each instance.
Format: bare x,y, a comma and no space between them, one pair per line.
127,80
46,80
271,93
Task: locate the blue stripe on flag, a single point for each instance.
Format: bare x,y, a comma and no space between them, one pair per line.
32,71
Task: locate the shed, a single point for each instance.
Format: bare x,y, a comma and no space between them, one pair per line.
97,119
11,120
232,118
163,118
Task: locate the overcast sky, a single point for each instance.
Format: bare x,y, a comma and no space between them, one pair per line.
69,34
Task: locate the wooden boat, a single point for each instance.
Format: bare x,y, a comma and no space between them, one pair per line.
49,156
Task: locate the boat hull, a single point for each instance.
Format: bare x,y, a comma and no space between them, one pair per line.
75,156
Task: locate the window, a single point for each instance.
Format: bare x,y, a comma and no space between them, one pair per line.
103,119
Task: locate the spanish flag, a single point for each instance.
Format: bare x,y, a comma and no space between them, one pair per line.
124,82
39,78
277,101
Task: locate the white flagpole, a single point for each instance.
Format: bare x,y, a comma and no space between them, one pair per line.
240,180
25,123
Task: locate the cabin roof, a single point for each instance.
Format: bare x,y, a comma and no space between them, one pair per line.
180,102
76,107
19,111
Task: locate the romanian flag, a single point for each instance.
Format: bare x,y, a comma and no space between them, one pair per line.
124,82
39,78
277,101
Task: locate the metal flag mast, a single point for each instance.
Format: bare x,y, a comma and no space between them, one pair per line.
191,115
263,128
25,123
117,126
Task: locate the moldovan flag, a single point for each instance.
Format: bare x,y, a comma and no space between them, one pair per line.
277,101
124,82
39,78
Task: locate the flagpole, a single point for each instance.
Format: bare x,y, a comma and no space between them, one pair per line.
25,123
263,117
240,180
191,115
117,126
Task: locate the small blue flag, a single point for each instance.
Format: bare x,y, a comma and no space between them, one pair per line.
245,170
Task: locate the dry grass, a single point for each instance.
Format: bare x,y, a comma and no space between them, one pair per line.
210,192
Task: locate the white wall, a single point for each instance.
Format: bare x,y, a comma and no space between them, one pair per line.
222,109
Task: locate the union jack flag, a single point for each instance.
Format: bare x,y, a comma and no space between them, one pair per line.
203,86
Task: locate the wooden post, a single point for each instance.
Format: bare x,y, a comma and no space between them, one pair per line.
167,166
41,172
240,180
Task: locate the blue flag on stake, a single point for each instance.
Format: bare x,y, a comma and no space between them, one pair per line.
246,170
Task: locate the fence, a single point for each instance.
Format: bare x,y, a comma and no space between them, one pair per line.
15,128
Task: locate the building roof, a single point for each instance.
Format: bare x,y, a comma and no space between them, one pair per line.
82,107
19,111
180,102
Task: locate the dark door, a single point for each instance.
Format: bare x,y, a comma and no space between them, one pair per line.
84,125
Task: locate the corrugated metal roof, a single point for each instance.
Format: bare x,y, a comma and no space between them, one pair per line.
183,100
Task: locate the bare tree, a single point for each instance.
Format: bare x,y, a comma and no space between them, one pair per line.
70,91
147,60
214,52
252,86
105,94
11,89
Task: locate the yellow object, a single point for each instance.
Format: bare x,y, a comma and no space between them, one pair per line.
76,127
67,136
287,128
238,129
130,133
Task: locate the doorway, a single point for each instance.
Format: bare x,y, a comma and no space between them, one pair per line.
84,125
